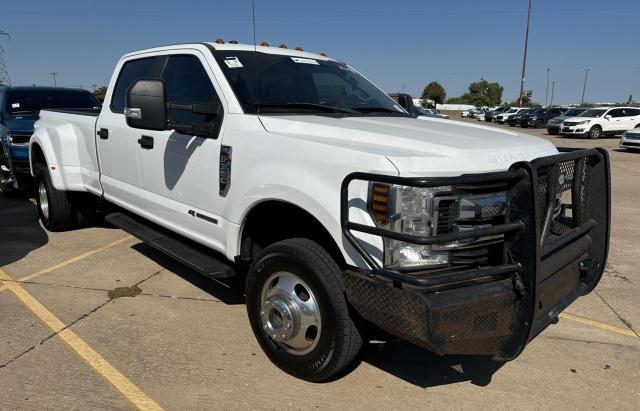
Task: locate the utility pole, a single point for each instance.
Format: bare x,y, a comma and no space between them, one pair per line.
524,59
94,87
4,73
584,87
546,94
553,88
54,74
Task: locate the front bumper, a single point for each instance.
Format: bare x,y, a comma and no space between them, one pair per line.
549,260
579,131
632,142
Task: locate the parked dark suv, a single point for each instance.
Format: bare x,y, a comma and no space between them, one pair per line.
541,116
19,110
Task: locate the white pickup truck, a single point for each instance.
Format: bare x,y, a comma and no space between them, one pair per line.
342,210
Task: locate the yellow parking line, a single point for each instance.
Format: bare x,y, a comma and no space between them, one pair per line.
71,260
598,324
101,366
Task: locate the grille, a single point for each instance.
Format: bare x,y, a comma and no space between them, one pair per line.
632,136
446,216
569,203
20,138
570,123
485,323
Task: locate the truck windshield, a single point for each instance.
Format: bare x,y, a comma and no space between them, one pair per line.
32,101
274,83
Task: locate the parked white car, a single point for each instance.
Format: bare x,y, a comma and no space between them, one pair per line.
435,113
600,121
631,139
503,117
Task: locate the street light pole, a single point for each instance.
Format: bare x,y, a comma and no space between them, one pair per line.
553,88
524,59
584,86
546,94
54,74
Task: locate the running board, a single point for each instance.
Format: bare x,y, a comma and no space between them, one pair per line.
192,255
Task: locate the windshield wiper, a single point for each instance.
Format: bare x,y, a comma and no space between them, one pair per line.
24,112
319,107
378,110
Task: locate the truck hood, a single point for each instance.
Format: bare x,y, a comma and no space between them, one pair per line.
426,147
20,125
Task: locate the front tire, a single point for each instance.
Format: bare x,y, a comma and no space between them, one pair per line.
595,132
54,207
298,310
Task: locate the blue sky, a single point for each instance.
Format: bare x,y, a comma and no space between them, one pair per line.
396,44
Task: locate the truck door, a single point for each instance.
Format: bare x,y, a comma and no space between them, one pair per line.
180,171
117,142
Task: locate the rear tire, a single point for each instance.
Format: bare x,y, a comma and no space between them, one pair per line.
539,124
311,348
595,132
54,208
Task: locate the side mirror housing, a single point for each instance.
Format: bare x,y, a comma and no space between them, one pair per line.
146,105
608,117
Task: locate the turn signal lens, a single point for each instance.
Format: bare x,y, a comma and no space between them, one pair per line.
379,204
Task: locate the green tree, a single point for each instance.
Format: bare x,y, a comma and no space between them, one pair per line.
100,93
434,91
481,93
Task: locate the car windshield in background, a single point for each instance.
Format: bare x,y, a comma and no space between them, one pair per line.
592,113
274,83
539,111
32,101
573,112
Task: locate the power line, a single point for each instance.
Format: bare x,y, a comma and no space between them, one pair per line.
54,74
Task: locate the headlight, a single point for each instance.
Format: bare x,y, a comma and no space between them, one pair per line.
534,117
415,211
583,122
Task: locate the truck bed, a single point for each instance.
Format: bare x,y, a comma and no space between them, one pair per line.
72,136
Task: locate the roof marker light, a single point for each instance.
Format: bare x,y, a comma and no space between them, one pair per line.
219,41
299,49
264,44
323,54
283,46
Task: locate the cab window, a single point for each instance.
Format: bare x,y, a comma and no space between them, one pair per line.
186,82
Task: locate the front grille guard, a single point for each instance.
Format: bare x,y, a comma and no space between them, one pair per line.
529,231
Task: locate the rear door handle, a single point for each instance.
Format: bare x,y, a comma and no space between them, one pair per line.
146,142
103,133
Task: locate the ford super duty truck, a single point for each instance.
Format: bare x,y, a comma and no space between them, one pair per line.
341,208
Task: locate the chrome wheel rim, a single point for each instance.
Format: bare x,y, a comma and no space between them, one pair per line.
43,200
290,314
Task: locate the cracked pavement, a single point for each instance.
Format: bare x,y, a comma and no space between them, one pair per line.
185,340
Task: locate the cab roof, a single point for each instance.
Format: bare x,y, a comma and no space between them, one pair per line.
239,47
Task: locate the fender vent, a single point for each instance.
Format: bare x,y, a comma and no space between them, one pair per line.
485,323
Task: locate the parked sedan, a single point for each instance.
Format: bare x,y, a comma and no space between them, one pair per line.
503,117
540,117
435,113
553,126
490,116
631,139
514,120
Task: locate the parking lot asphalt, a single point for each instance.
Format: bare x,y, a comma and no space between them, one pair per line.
95,319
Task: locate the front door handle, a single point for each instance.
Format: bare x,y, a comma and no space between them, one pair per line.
103,133
146,142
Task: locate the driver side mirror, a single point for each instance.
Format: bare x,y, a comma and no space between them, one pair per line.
146,105
406,102
608,117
